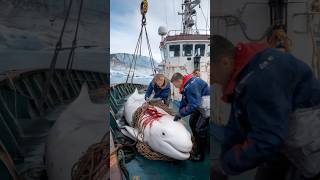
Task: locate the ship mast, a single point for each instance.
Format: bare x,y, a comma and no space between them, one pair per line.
188,13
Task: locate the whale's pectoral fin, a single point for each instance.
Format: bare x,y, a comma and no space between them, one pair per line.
136,91
131,133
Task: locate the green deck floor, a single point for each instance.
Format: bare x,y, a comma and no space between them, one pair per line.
146,169
141,168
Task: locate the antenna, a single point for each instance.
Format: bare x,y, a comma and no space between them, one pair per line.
188,13
166,13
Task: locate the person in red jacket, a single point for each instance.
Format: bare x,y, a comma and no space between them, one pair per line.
192,90
265,87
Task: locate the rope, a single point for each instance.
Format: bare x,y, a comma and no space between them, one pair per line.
72,49
124,152
205,18
147,152
144,116
134,56
150,52
141,111
74,42
122,161
8,162
143,10
92,165
54,60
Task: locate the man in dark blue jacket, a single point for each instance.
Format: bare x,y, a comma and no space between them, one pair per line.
192,90
263,85
160,86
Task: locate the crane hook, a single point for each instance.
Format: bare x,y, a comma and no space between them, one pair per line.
144,7
144,10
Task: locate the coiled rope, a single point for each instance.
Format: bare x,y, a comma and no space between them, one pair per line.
93,163
144,116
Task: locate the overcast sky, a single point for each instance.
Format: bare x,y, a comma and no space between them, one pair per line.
125,23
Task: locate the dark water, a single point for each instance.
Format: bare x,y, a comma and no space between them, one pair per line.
84,60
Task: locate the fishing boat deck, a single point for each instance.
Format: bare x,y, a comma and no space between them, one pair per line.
141,168
20,107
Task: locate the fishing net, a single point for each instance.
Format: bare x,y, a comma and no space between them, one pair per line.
93,163
146,115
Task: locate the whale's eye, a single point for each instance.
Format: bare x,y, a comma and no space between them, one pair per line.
163,133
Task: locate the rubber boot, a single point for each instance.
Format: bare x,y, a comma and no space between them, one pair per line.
199,153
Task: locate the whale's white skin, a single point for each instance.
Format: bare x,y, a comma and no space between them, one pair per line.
164,136
79,126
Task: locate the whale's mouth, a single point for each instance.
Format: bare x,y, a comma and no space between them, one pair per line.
183,150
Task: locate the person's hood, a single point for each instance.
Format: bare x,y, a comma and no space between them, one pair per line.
243,55
185,80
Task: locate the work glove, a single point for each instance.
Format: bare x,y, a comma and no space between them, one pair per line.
217,172
177,117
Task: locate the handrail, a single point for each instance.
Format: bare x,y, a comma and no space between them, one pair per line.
196,32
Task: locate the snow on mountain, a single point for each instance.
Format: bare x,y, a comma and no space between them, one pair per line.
120,66
36,24
30,29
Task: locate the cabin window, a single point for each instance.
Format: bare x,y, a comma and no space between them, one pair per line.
164,52
174,51
200,49
187,50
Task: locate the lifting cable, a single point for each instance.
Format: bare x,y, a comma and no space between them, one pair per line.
51,72
73,47
74,42
137,51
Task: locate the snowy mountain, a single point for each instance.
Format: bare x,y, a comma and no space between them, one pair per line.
120,66
124,59
30,29
36,24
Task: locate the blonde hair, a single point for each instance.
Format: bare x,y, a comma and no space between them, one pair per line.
159,76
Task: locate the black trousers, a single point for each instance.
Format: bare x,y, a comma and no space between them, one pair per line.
199,127
280,169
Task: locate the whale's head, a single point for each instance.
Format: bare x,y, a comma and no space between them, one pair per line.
170,138
164,135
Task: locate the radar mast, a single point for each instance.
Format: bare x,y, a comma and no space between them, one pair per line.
188,14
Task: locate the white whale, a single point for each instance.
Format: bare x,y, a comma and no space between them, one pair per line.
79,126
165,136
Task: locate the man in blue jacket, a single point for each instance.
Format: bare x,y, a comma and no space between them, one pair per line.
160,87
263,86
192,90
